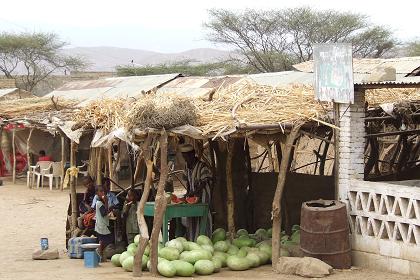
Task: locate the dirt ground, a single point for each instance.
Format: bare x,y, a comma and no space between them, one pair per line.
28,215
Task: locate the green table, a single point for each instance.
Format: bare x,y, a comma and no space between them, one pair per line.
179,211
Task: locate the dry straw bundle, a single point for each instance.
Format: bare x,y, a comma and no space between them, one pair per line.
249,103
20,108
376,97
104,113
149,111
161,111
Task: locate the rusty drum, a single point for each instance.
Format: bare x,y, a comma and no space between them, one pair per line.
324,232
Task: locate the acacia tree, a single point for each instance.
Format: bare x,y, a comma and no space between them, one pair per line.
274,40
32,57
413,48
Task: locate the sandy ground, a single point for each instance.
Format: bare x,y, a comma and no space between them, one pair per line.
28,215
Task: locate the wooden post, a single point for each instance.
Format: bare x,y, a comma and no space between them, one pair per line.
229,188
160,203
144,230
111,170
99,167
14,156
270,157
28,156
73,193
336,147
276,212
63,159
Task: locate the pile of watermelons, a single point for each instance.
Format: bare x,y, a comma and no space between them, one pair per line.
180,257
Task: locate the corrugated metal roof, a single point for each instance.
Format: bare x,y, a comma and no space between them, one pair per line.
282,78
403,65
6,91
197,86
121,87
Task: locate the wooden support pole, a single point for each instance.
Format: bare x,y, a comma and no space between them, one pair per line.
73,193
144,230
160,203
270,157
28,156
281,181
110,169
99,167
14,156
229,191
63,159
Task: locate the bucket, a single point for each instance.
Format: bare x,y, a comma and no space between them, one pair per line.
44,243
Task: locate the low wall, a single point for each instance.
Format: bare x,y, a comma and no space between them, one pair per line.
385,225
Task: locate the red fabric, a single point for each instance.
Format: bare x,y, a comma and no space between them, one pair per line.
88,220
46,158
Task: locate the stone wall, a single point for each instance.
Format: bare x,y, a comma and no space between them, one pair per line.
7,83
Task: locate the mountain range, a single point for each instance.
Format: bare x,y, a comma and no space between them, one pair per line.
107,58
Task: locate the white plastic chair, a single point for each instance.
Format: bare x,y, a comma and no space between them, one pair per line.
57,174
83,169
30,178
42,168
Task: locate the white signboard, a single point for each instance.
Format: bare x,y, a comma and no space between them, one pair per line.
333,69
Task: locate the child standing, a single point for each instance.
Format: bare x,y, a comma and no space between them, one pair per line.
102,222
130,213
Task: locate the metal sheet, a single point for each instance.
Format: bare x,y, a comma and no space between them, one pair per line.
111,87
6,91
403,65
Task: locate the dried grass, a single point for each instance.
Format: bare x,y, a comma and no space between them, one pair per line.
27,107
376,97
249,103
150,111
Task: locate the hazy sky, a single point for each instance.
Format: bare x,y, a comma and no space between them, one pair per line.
171,26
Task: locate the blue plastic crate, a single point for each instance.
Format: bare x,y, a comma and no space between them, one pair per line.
91,259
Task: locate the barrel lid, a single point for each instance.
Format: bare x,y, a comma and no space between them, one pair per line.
323,205
90,246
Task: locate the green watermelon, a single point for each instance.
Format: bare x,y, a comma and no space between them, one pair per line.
166,269
128,263
238,263
218,235
203,240
169,253
204,267
183,268
115,259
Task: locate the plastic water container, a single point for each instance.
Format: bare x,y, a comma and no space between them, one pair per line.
91,259
44,243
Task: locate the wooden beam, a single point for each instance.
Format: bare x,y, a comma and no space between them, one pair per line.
160,203
229,191
110,168
391,133
281,181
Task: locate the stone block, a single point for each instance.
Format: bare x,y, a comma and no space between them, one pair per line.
415,269
400,266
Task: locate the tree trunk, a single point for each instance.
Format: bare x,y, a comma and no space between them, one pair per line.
144,230
73,193
160,203
229,188
276,213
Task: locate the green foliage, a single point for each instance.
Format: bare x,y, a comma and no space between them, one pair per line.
413,48
37,54
273,40
188,68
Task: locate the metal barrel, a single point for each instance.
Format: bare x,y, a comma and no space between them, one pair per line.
324,232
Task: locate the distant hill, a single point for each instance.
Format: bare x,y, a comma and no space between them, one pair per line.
106,58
